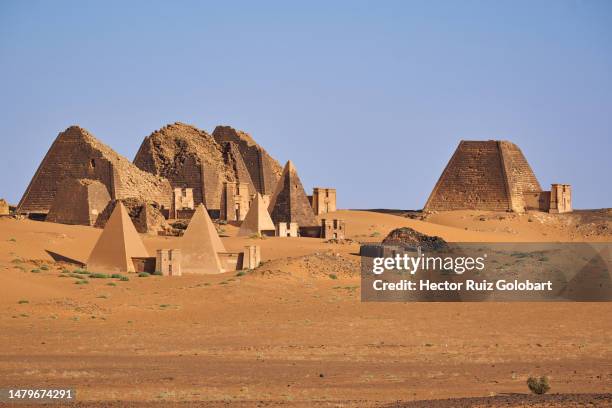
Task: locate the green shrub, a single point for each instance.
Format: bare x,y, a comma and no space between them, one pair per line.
111,284
124,279
116,276
144,275
23,301
538,385
157,273
333,276
241,273
98,275
44,267
81,282
80,271
35,271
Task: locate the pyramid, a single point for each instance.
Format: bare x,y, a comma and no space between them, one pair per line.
257,219
484,175
77,154
289,202
117,245
200,245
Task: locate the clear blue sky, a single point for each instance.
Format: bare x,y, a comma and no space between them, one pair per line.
368,97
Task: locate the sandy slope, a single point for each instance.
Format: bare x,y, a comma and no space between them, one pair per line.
286,333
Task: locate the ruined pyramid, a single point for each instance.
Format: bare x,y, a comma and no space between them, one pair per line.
257,219
289,202
117,245
191,158
200,245
77,154
484,175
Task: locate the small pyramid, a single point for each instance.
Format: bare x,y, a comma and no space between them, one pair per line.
200,245
117,245
289,202
257,219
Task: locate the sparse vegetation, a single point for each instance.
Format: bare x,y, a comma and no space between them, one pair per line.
144,274
81,282
99,276
35,271
12,240
44,267
241,273
80,271
124,279
23,301
17,261
157,273
538,385
111,284
333,276
375,234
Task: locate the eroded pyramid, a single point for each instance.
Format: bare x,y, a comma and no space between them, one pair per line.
257,219
77,154
484,175
117,245
289,202
200,245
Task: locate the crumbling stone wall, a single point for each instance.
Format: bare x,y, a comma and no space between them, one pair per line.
77,154
146,216
483,175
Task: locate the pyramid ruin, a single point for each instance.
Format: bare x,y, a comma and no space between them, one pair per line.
289,202
117,245
77,154
264,171
257,220
208,165
200,245
79,202
484,175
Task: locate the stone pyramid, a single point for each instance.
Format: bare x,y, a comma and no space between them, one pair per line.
117,245
200,245
77,154
257,219
484,175
289,202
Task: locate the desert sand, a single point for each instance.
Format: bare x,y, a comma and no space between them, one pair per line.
288,333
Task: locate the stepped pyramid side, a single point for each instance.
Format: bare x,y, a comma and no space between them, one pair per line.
257,219
117,245
77,154
200,245
263,169
484,175
289,202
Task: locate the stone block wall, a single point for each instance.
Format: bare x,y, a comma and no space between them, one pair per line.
323,200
